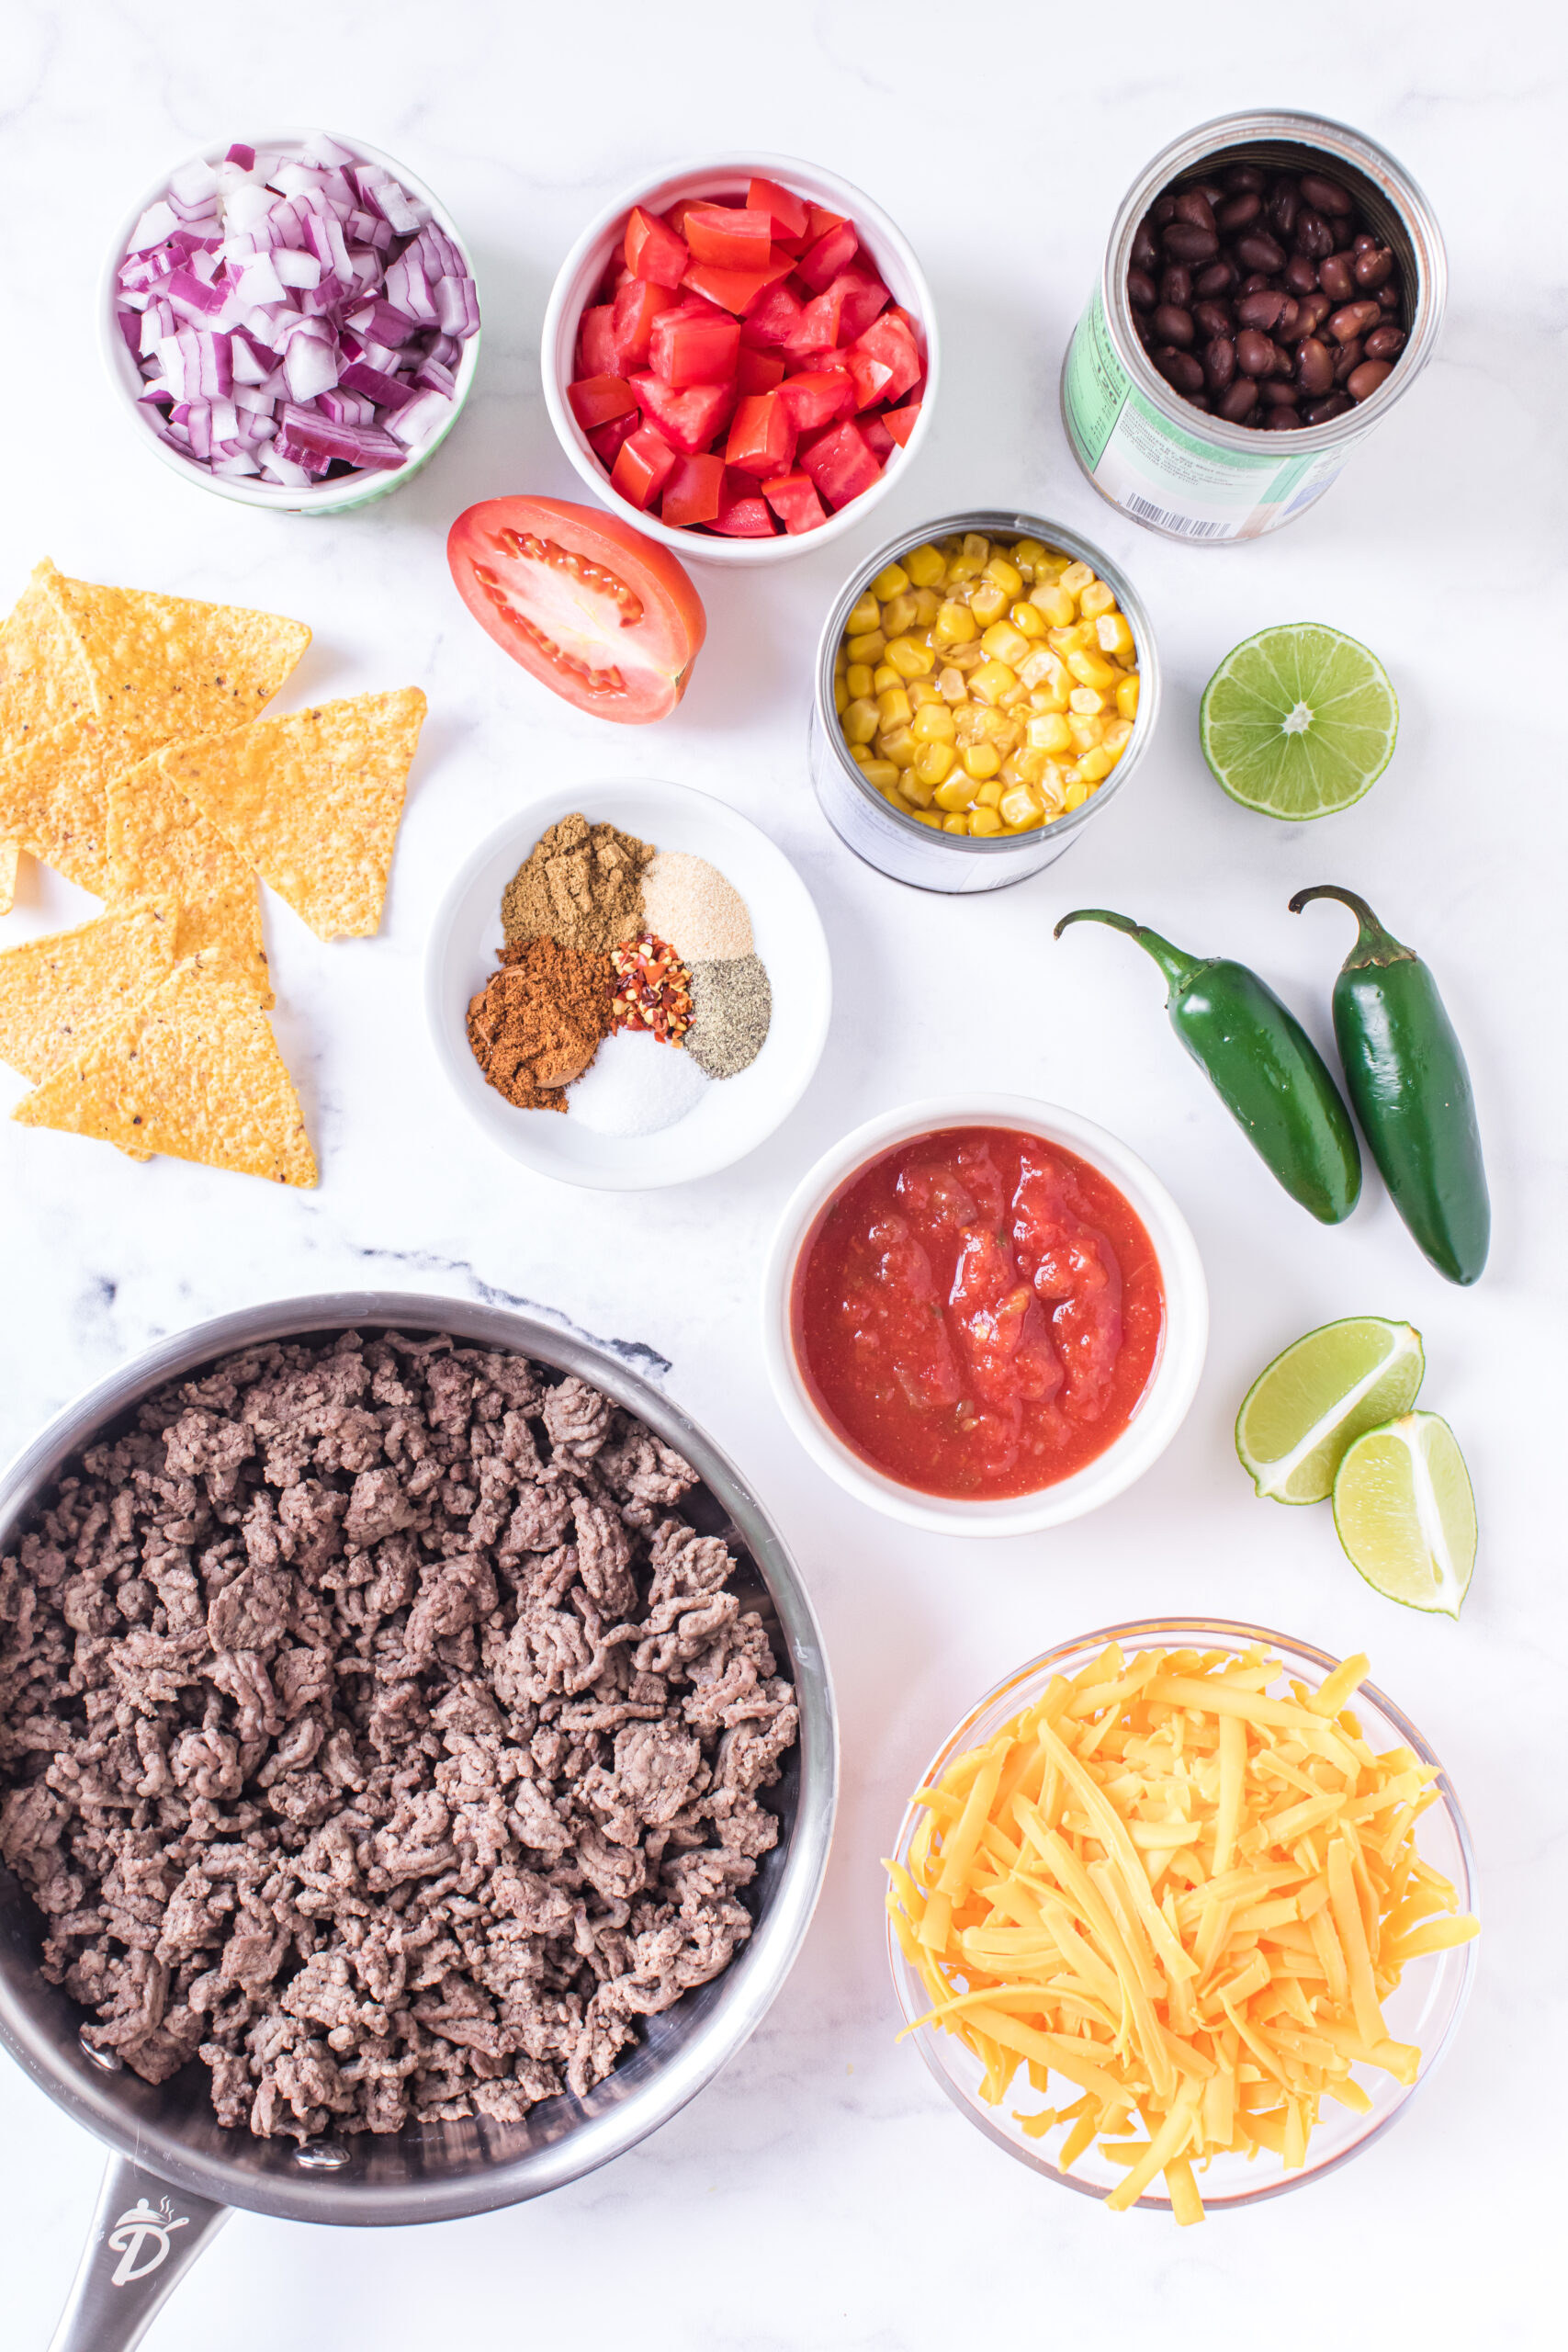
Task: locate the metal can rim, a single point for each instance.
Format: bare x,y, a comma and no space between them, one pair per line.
995,522
1337,143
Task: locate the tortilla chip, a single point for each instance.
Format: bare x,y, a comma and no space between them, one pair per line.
192,1072
311,800
53,991
160,845
10,858
44,677
171,666
53,795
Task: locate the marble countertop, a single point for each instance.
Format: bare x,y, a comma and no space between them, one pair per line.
1001,142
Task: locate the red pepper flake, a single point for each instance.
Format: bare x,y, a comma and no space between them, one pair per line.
653,988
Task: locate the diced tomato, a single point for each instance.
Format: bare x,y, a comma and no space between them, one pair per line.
653,250
587,603
901,422
757,371
787,214
871,377
596,343
840,463
818,328
636,307
690,495
688,347
863,296
774,318
642,467
762,436
735,290
605,439
888,339
815,396
728,235
743,512
794,501
819,221
821,263
688,420
599,400
878,439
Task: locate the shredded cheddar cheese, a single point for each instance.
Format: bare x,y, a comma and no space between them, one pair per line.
1182,1896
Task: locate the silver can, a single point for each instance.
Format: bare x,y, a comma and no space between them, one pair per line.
1199,478
898,846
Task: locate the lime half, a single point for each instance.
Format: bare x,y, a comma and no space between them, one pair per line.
1405,1514
1307,1407
1299,721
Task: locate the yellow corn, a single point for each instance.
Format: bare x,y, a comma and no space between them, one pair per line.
1029,553
861,721
934,761
1054,603
841,697
954,622
927,603
1095,599
992,680
1090,671
923,691
1003,575
882,774
1020,806
1117,736
882,677
1127,698
1113,635
989,602
988,795
865,616
891,583
1048,733
927,817
869,647
997,728
916,787
1028,617
1077,577
976,549
985,821
899,746
911,659
1085,702
981,760
859,681
935,723
893,708
1085,733
1075,796
955,792
925,566
955,824
1096,765
898,614
952,685
1002,642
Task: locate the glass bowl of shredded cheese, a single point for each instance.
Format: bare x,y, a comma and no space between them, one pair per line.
1180,1915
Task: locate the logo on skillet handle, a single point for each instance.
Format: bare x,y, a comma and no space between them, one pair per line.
141,2226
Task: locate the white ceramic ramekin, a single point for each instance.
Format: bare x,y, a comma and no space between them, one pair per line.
1172,1384
346,492
726,176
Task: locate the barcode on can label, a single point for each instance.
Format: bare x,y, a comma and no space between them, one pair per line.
1190,526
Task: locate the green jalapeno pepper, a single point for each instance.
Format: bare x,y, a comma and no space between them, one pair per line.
1264,1067
1411,1091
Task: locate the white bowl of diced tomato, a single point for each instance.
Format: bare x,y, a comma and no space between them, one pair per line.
740,357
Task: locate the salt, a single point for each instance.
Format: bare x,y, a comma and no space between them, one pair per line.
636,1086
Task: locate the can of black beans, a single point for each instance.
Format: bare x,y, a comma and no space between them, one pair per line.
1273,284
897,842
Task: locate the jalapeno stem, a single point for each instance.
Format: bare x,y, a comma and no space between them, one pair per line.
1374,943
1180,970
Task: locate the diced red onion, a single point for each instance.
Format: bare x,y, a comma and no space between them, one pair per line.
431,377
386,392
457,306
419,419
244,156
157,223
347,408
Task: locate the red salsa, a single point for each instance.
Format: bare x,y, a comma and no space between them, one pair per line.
977,1313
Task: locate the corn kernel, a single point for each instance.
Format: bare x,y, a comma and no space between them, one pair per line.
1029,552
1085,702
898,614
1113,635
935,723
1097,598
1051,784
997,728
992,680
1039,670
985,821
899,746
1090,671
859,681
1085,733
1127,698
861,754
951,684
1019,807
1028,617
954,624
1076,578
1002,642
927,817
917,787
1116,738
869,647
841,697
882,774
893,707
976,549
860,720
865,616
927,603
1028,764
956,792
981,760
923,691
968,656
988,795
1048,733
882,677
934,761
988,604
1075,796
891,583
1096,765
1003,575
955,824
1054,603
911,659
925,566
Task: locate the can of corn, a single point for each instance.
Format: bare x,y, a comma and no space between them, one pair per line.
1194,476
883,833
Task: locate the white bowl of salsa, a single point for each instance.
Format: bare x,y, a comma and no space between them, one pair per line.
984,1315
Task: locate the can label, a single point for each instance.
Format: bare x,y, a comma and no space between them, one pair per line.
1166,476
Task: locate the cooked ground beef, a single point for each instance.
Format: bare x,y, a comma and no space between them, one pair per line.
373,1726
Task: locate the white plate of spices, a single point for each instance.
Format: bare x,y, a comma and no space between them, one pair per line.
628,986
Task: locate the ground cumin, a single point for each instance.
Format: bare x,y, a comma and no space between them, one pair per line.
538,1022
582,885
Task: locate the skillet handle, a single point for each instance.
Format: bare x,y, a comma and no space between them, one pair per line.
145,2235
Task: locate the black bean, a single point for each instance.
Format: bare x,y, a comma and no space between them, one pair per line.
1289,324
1146,252
1219,363
1314,309
1363,381
1218,278
1374,270
1389,296
1281,395
1255,250
1259,310
1314,236
1314,367
1254,352
1240,400
1353,319
1347,360
1185,241
1326,195
1245,178
1325,412
1300,275
1364,243
1336,275
1178,367
1283,206
1238,212
1162,209
1141,290
1280,420
1193,207
1176,286
1173,325
1383,342
1212,318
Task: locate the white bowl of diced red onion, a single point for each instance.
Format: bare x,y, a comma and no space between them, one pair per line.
292,322
877,280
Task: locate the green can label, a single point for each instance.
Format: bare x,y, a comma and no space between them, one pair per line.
1162,473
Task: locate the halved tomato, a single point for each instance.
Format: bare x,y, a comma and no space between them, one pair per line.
602,615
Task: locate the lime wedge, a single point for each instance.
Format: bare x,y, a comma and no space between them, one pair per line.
1299,721
1307,1407
1405,1514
